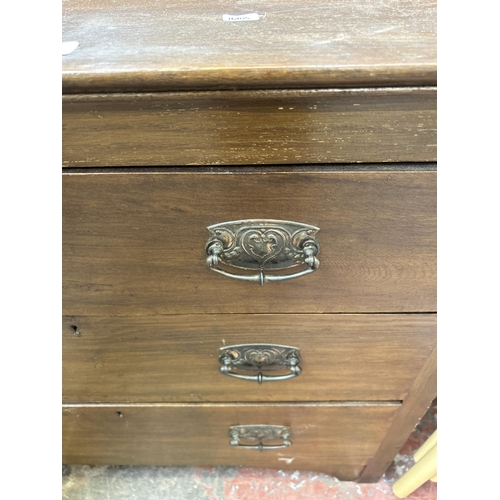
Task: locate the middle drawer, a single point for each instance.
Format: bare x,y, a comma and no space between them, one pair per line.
167,358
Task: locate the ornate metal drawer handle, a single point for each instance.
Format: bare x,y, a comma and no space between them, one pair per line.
258,357
259,433
263,245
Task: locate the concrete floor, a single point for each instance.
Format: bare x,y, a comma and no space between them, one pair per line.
82,482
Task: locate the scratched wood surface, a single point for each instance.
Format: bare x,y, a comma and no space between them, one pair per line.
155,45
336,439
133,243
174,358
250,127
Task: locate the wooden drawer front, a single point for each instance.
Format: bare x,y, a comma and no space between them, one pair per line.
175,358
250,127
134,243
336,439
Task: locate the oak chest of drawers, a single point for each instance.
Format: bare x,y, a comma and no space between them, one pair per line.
249,232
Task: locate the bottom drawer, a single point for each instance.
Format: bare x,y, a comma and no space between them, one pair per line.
334,438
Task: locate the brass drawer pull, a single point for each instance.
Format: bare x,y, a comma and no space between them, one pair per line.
258,357
263,245
259,433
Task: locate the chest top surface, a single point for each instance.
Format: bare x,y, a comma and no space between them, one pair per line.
159,45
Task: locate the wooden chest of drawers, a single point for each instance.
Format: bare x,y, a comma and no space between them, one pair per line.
294,148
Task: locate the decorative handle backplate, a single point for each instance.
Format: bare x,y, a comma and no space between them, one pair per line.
259,433
264,245
258,357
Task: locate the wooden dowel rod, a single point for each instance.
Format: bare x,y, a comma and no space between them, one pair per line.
421,472
428,445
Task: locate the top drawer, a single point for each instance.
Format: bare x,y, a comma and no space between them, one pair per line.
134,243
250,127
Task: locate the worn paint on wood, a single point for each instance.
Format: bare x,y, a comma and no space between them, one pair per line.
154,45
250,127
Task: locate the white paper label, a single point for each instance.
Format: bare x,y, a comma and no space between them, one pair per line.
68,47
242,17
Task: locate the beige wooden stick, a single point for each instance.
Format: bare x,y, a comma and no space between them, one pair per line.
434,478
429,444
421,472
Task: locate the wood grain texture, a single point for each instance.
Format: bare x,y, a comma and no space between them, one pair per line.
325,438
147,359
420,396
133,244
185,45
250,127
